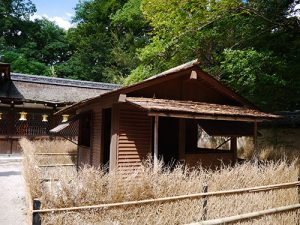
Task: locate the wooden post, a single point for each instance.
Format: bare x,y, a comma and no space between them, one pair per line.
255,138
115,116
36,218
233,148
155,155
205,190
299,189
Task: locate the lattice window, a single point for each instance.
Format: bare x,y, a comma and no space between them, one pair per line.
71,131
33,126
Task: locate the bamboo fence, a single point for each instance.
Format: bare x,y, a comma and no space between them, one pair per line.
173,198
247,216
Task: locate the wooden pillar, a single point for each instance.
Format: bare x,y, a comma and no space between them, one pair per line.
233,148
92,124
113,162
155,155
255,138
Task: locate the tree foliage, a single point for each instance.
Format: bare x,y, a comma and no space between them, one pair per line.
30,46
106,38
252,46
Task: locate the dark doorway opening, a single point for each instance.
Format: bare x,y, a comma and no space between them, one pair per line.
168,140
106,136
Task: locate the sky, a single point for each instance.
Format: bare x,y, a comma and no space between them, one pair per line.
59,11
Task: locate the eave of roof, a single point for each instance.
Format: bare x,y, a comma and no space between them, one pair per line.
200,110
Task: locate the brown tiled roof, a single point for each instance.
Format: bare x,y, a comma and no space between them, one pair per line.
198,108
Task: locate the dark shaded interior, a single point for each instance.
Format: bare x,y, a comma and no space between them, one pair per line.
85,130
168,140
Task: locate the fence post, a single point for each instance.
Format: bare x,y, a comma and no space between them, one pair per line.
205,190
36,218
299,189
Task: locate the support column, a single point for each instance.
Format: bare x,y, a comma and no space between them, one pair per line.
255,138
155,155
113,162
233,148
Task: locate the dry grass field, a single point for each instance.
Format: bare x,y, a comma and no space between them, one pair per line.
91,186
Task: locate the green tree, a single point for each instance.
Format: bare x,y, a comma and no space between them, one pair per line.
14,21
253,74
91,38
219,32
46,43
21,64
30,46
105,40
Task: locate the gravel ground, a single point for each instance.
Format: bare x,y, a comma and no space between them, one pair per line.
12,189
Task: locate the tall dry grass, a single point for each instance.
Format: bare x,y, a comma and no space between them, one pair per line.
31,171
91,186
33,174
50,146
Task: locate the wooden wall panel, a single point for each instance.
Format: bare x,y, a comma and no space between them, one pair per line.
209,160
16,148
9,145
134,141
5,146
184,88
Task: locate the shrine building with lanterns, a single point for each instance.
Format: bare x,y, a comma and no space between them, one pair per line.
28,102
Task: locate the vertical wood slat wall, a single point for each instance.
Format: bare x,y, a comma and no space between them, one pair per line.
92,155
96,137
134,142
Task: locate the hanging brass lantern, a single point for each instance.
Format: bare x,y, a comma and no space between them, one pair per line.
44,118
23,116
1,115
65,118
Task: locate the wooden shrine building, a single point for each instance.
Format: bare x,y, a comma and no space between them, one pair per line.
27,104
170,116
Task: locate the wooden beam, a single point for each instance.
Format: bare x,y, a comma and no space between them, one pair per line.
57,165
155,155
56,153
205,117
